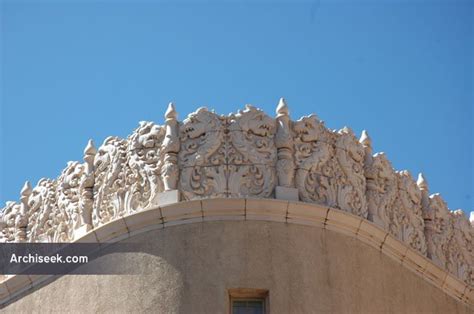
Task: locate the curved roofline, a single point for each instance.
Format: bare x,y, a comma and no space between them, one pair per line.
241,209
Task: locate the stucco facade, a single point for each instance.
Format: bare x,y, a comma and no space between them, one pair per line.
190,268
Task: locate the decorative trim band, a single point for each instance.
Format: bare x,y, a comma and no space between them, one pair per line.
240,209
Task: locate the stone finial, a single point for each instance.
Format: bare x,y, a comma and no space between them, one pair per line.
365,139
282,108
26,191
171,113
90,148
421,182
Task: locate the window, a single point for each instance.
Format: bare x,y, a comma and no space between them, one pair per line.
248,306
248,301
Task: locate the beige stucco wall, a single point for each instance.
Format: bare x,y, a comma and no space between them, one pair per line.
189,269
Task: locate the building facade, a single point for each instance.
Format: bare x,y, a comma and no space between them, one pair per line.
244,213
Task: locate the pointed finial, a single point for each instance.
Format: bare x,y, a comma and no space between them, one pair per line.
365,139
171,113
26,190
90,148
421,182
282,108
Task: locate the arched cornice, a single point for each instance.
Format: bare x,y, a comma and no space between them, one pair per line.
241,209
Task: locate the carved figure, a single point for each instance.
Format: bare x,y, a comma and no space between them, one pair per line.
381,190
202,155
110,175
143,169
314,167
251,153
407,219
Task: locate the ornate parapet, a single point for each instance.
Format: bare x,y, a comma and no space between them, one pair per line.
244,155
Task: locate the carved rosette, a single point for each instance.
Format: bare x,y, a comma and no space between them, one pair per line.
251,154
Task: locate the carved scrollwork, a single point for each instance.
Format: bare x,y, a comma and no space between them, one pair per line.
351,181
247,154
44,214
252,154
438,229
110,172
8,222
461,248
144,167
381,190
202,155
406,222
313,157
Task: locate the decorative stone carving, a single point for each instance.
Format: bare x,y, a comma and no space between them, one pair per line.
284,144
21,221
350,156
438,229
69,197
86,201
143,170
247,154
44,216
314,154
170,149
252,154
202,156
110,180
381,190
8,222
461,248
407,220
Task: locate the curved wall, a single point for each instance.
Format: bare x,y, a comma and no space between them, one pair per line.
189,269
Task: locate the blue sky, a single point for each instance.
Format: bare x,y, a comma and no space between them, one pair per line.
403,70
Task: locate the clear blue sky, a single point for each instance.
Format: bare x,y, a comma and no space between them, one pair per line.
403,70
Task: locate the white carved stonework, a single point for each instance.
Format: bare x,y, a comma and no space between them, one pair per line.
69,197
142,171
438,229
350,178
44,214
285,147
314,157
8,222
406,222
251,154
461,248
247,155
170,149
110,175
381,191
202,155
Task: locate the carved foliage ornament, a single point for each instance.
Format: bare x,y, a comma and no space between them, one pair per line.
246,154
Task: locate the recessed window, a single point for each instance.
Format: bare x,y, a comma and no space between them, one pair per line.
248,306
248,301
